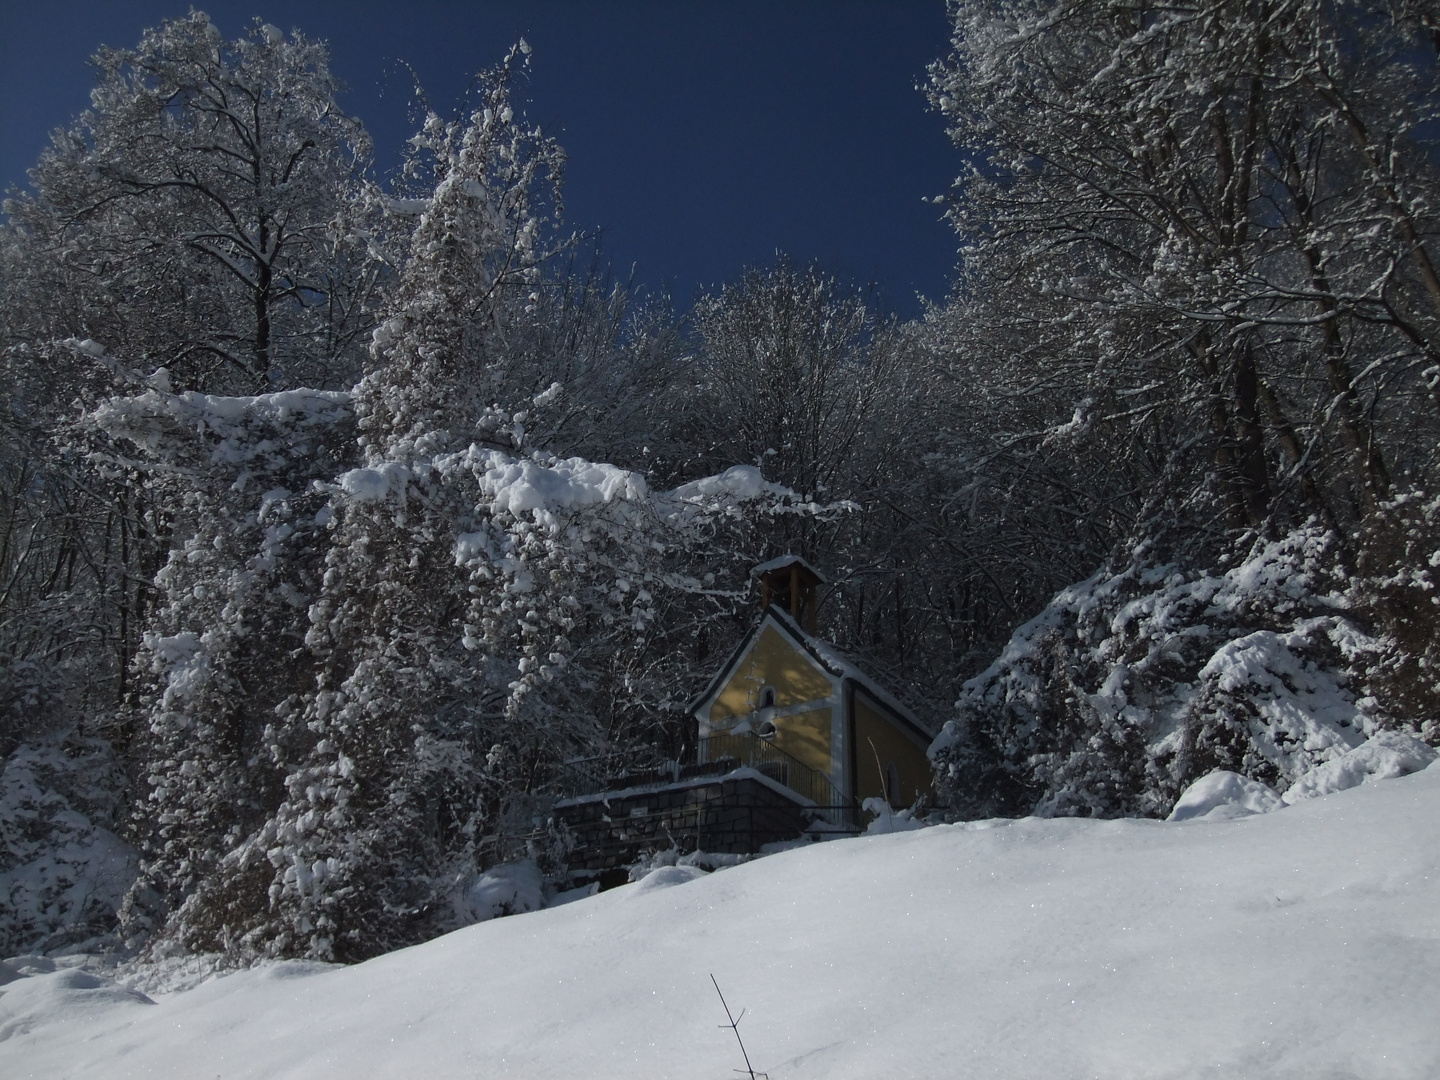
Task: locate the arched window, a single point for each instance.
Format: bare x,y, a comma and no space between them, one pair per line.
767,698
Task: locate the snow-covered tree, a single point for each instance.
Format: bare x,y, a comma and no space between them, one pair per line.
1233,207
1199,238
224,642
809,380
207,214
207,219
63,869
475,593
788,371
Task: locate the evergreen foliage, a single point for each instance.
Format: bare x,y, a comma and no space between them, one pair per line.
342,526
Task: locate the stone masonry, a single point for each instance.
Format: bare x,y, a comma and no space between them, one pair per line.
736,813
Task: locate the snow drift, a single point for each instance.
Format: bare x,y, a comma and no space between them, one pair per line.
1296,944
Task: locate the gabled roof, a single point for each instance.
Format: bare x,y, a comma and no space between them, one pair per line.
782,562
824,655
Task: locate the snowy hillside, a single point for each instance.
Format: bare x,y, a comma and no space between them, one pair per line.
1299,943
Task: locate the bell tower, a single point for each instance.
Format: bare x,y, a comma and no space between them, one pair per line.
789,583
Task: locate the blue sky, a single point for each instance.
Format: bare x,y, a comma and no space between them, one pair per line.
702,137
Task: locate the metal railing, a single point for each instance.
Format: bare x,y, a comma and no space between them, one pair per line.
714,756
726,752
712,827
590,776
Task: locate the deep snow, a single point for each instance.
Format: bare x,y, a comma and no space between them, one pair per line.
1304,942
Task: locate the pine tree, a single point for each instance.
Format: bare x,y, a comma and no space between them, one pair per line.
225,643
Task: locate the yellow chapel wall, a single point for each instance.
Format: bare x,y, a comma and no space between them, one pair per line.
891,743
773,660
806,738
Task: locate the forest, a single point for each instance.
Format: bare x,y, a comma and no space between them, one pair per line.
341,517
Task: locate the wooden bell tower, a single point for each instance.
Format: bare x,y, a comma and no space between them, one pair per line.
789,583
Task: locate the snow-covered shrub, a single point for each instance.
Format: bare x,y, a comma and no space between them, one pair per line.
63,871
702,861
31,693
1384,757
884,819
1134,683
225,643
505,889
1223,794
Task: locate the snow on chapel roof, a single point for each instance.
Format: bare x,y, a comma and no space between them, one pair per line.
782,562
823,654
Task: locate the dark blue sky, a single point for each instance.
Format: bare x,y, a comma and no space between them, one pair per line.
702,137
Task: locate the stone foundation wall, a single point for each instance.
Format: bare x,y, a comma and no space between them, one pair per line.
724,815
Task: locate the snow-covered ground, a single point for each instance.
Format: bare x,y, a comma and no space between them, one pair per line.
1304,942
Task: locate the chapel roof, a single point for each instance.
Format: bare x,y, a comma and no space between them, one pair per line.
825,655
784,561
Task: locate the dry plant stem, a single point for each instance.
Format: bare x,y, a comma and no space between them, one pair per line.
734,1026
884,787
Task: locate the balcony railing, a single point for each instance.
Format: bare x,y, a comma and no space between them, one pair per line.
750,751
716,755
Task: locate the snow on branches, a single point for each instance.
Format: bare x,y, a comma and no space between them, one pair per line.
388,618
1134,683
209,211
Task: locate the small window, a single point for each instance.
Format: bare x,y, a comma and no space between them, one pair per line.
766,729
767,698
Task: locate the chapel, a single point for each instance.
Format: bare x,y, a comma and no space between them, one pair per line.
792,739
786,687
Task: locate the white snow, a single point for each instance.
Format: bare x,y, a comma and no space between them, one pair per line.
737,482
375,484
40,991
1223,794
782,561
1298,944
519,486
1383,757
887,819
404,208
509,889
233,424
